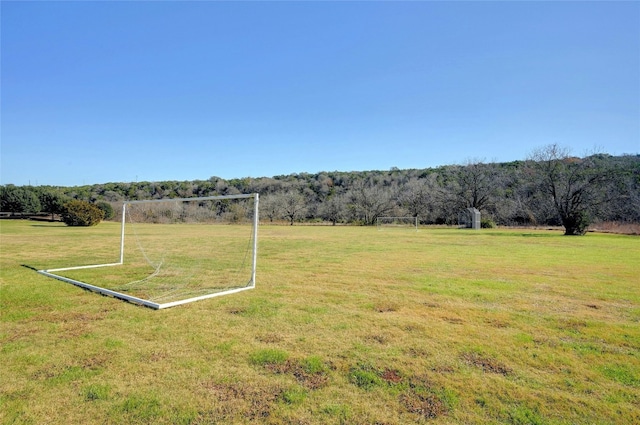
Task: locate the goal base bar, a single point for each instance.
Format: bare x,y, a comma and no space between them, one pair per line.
129,298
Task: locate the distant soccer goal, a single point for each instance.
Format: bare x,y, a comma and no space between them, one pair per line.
397,222
177,251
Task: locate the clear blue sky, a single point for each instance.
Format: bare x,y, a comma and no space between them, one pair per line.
96,92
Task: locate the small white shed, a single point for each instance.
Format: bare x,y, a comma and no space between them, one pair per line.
475,218
469,218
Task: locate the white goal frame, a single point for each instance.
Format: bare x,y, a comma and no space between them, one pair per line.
411,222
251,285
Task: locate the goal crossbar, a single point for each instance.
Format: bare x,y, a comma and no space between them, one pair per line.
148,303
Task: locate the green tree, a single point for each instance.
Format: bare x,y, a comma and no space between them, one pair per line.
16,199
107,209
81,213
52,202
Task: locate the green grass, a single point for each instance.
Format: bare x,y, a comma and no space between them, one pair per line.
347,325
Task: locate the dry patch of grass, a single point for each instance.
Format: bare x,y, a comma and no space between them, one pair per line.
485,363
416,395
386,307
237,401
310,372
429,406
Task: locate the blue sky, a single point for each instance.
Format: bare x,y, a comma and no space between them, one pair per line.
96,92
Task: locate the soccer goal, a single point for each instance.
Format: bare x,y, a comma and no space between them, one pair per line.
177,251
397,222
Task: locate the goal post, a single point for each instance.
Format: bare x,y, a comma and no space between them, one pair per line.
397,222
177,251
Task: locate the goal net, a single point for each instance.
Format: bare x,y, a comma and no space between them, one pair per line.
397,222
176,251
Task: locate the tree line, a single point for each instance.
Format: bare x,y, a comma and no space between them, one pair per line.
550,187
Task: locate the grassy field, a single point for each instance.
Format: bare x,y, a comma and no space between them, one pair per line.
347,325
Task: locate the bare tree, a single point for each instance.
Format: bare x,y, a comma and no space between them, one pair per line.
369,202
624,203
270,207
574,186
293,205
333,208
476,184
417,197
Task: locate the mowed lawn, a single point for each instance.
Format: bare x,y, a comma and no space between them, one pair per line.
346,325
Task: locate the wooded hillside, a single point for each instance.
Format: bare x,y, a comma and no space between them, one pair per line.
550,188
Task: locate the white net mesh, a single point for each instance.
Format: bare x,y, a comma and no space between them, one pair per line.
397,222
184,249
176,251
